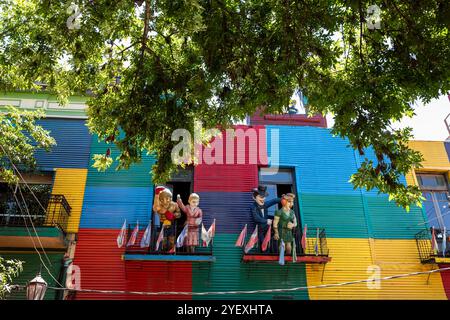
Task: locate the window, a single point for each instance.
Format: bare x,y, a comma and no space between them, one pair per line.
280,181
436,205
38,184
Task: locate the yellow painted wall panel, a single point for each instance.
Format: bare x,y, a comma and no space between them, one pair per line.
433,152
71,183
351,259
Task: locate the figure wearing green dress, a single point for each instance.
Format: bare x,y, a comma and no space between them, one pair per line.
285,221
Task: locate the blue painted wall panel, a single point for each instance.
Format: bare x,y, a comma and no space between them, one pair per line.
325,163
73,144
230,209
106,207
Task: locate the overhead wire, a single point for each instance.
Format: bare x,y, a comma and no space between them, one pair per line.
254,291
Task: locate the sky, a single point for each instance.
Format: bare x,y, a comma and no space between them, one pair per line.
428,123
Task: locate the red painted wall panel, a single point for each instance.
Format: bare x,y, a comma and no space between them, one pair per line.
242,145
102,268
236,169
156,276
445,275
225,178
100,263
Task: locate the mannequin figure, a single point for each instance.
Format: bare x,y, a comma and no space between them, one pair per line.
193,220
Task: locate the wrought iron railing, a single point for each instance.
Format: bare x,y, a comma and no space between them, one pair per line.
161,250
431,247
315,244
57,213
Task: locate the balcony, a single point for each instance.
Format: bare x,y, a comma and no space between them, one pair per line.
315,251
151,253
437,253
16,224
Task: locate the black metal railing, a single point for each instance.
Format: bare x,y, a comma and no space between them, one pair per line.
164,248
429,248
57,213
315,244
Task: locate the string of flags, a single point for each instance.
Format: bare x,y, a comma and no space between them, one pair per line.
207,236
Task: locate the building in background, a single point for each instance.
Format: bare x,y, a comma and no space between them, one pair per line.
350,234
39,222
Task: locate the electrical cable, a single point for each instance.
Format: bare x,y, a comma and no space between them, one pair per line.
254,291
34,244
31,220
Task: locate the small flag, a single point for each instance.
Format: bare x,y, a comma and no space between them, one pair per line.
252,241
205,236
182,236
212,230
240,241
281,257
266,239
134,234
305,229
172,250
294,251
160,238
316,245
444,242
121,236
145,241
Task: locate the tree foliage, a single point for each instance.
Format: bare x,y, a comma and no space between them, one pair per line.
20,138
153,66
9,269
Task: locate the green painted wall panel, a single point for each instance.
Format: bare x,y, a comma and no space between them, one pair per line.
138,175
342,216
228,273
31,267
391,222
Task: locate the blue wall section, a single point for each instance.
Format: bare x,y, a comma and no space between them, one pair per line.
325,164
230,209
73,144
106,207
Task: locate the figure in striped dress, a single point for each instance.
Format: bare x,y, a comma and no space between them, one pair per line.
193,220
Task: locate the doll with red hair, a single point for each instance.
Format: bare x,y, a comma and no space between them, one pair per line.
168,211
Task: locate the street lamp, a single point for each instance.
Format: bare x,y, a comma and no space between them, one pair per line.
36,288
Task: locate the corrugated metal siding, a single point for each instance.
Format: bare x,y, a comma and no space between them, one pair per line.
31,266
230,209
323,163
391,222
246,145
107,207
401,257
73,144
100,263
138,175
445,276
156,276
228,273
229,178
71,184
341,216
352,257
434,153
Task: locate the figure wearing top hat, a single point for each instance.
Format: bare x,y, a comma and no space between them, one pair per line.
259,210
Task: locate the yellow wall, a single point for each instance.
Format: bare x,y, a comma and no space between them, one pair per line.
352,257
71,183
435,159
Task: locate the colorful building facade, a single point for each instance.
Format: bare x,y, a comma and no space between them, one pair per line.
352,234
